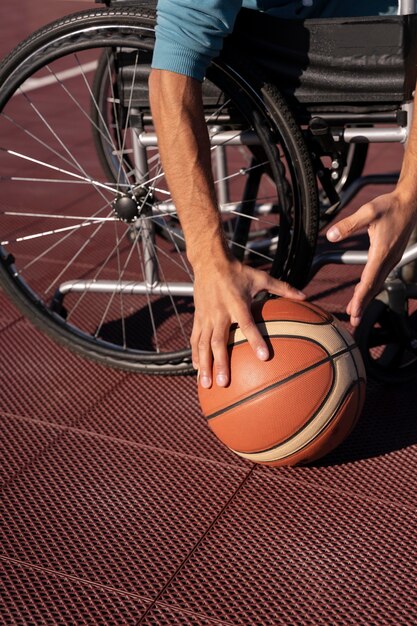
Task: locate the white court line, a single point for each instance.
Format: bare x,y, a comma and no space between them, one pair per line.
37,83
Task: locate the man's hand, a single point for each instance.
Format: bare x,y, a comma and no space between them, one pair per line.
223,294
390,220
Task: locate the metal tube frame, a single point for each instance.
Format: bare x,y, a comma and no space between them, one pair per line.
142,140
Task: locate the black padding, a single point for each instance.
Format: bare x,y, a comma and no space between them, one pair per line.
337,60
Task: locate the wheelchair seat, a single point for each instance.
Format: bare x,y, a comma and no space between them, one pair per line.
346,64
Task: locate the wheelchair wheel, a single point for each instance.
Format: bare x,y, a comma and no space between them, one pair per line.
388,343
82,252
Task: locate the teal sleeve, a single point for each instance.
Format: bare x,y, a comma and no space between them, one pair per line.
189,34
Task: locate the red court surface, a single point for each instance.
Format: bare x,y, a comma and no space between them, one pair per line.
120,507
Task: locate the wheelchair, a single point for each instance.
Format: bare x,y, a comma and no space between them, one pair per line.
91,250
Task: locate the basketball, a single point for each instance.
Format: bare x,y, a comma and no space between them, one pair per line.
301,403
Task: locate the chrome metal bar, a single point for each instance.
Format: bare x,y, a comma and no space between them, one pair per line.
409,255
226,137
375,135
125,287
147,226
338,257
167,208
406,7
352,134
356,257
222,183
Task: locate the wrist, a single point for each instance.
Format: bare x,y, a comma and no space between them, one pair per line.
209,251
406,193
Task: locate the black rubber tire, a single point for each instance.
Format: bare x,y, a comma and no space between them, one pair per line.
388,343
134,28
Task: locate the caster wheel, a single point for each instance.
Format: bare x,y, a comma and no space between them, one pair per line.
388,343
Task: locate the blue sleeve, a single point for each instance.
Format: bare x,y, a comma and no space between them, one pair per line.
190,33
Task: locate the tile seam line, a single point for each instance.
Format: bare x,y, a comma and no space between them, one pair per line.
11,324
72,577
190,613
138,446
38,455
128,442
197,545
389,504
63,430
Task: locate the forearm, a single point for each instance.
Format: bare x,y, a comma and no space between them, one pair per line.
184,147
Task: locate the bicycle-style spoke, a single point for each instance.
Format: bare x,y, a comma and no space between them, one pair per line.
70,231
85,179
47,233
172,299
97,108
62,144
43,143
128,113
148,299
72,260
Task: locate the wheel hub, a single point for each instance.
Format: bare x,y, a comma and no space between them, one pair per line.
126,209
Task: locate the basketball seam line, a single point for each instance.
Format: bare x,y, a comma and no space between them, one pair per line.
359,379
322,430
316,342
279,383
293,435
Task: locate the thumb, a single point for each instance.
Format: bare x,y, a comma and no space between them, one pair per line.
358,220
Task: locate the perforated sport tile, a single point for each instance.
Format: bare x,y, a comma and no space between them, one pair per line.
32,596
387,424
112,513
8,313
52,383
332,284
21,442
159,412
285,553
389,479
161,615
379,459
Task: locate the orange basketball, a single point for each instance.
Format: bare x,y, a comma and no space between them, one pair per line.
303,401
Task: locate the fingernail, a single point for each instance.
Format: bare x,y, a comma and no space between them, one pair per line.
262,354
333,234
205,382
301,294
221,380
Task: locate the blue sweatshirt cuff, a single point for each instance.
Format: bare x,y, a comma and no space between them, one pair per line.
189,34
174,57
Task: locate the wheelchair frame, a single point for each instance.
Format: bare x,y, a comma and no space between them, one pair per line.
397,131
328,134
